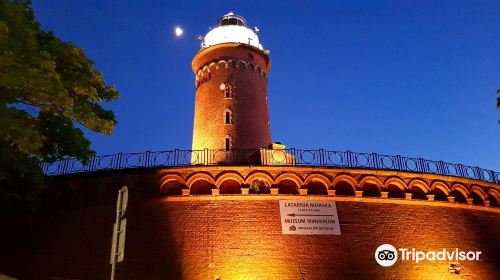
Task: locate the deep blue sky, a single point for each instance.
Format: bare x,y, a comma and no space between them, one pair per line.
416,78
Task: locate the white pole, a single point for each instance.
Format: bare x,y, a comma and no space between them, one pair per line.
116,231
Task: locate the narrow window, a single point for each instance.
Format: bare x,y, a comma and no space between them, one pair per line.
228,117
228,143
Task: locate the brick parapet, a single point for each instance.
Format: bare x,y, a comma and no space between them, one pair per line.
155,182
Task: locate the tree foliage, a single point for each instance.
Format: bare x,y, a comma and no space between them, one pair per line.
48,89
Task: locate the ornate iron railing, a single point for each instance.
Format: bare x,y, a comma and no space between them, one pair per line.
292,157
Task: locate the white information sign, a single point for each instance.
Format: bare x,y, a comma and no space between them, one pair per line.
309,217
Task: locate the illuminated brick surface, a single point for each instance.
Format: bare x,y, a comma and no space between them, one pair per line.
239,237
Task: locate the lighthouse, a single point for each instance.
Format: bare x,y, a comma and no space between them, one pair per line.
231,104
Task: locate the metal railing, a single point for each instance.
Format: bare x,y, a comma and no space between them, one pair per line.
291,157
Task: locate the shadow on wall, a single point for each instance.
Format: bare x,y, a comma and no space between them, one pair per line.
484,231
75,243
150,251
78,245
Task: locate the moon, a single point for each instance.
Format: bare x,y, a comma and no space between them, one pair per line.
178,31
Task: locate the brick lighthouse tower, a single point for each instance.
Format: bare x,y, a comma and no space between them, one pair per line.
231,108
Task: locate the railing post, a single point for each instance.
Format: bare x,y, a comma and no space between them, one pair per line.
440,168
399,163
490,176
88,165
321,157
119,161
478,173
348,158
62,166
422,164
493,177
293,152
176,154
171,158
374,160
66,165
146,159
460,170
91,163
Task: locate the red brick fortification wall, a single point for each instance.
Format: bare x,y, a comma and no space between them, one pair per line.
244,69
239,237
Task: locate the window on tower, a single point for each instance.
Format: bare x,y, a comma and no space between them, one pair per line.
228,115
226,89
229,143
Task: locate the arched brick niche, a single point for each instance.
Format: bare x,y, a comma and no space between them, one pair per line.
494,197
371,186
440,190
171,184
259,182
287,186
459,192
200,183
418,188
172,187
230,183
395,187
317,184
317,188
230,186
288,183
344,184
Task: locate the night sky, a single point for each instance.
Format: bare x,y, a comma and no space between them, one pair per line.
416,78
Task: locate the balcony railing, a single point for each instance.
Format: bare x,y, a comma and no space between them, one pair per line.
287,157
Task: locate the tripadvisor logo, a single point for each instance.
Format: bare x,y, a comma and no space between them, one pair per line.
387,255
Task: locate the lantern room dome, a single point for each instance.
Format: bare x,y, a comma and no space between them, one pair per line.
231,28
231,19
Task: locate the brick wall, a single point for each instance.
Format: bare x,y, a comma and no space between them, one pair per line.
239,237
